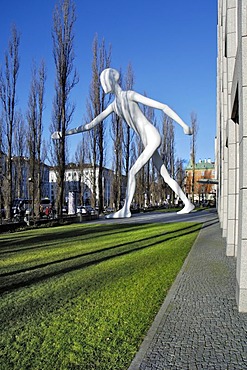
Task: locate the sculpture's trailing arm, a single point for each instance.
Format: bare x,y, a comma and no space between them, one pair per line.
167,110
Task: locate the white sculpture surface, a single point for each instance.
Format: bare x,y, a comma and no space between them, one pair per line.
126,106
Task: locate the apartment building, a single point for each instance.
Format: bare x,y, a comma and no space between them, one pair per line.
200,181
80,181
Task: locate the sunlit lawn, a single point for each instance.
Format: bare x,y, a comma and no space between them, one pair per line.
84,296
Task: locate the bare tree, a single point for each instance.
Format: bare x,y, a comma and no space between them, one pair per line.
66,78
194,126
117,161
93,149
82,158
149,113
8,81
143,178
1,169
127,134
97,103
154,194
20,153
137,148
168,155
180,172
117,137
40,92
35,129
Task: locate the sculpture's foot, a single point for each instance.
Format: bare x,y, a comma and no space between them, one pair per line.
119,214
187,208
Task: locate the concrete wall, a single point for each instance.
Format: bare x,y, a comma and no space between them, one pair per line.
231,141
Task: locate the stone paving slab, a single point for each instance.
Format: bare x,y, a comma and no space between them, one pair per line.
199,326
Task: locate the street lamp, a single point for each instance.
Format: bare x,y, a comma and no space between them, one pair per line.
28,196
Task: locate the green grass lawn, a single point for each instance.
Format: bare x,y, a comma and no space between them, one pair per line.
83,296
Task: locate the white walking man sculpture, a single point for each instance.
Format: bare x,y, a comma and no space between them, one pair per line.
126,106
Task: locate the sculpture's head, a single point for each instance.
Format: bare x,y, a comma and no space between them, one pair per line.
108,79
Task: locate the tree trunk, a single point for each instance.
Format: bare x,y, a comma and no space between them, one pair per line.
8,98
66,78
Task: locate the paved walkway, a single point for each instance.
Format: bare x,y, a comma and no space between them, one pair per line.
199,326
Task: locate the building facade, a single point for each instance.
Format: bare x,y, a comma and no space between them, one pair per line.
231,140
21,177
80,180
199,182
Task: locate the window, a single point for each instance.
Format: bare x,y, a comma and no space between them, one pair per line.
235,109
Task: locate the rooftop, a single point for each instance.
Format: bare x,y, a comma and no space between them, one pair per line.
203,164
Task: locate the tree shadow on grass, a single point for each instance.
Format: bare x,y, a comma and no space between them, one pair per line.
94,252
12,245
25,242
36,274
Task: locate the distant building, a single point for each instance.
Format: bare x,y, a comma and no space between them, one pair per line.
79,179
21,177
203,187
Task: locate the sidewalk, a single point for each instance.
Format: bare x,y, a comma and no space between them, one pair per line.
198,325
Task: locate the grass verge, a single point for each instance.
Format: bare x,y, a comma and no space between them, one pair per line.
83,296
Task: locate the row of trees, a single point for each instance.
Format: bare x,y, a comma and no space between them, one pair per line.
15,126
21,134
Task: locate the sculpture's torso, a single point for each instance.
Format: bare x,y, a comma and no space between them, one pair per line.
125,107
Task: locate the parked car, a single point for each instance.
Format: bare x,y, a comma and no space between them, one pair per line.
3,213
45,202
108,210
45,208
81,210
85,210
64,209
20,207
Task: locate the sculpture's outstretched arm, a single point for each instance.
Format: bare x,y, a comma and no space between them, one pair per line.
155,104
87,126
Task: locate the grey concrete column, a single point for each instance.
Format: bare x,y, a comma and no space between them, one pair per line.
225,149
242,233
220,117
231,49
237,187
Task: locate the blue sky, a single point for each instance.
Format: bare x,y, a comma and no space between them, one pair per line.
170,44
